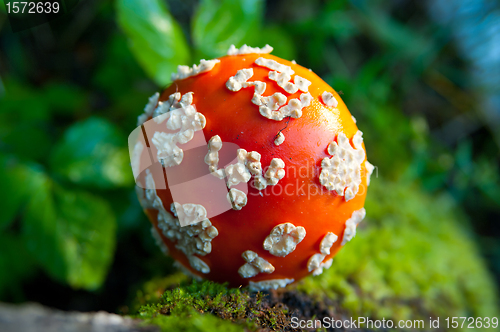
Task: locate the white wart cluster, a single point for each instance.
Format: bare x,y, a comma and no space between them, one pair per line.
212,157
148,197
315,263
274,65
192,240
279,139
329,99
269,284
273,107
238,172
237,198
249,165
342,172
275,172
239,81
269,106
327,242
186,71
189,214
351,223
249,50
148,109
292,109
254,265
283,239
182,72
135,159
283,80
180,116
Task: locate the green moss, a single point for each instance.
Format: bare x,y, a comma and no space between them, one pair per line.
412,257
153,290
190,305
191,321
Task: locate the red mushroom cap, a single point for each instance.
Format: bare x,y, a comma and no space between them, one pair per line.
297,139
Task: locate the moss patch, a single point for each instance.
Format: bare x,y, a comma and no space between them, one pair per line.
186,304
153,290
193,304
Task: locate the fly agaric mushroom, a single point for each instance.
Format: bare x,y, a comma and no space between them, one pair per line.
303,196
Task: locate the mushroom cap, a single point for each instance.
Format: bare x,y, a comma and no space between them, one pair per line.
299,198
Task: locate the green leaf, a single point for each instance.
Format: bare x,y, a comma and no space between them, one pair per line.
156,40
93,153
218,24
16,180
70,234
281,41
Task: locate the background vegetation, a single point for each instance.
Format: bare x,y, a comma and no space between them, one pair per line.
72,234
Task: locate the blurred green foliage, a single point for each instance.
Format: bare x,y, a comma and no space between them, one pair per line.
68,232
99,160
70,93
218,24
155,38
